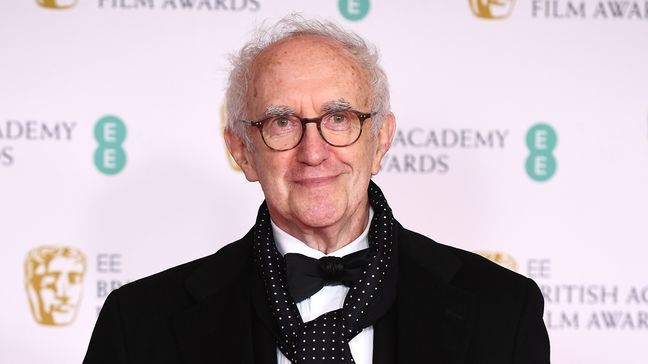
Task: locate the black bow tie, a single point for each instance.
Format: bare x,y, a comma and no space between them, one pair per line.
306,276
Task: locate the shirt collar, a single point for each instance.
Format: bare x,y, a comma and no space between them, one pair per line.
287,243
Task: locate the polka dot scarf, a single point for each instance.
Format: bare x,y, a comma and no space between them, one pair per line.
326,339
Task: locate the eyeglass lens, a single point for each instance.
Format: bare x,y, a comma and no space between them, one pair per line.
338,129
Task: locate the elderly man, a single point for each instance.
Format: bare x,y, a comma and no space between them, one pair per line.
326,275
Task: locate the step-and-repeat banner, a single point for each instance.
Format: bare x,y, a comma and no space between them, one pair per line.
522,135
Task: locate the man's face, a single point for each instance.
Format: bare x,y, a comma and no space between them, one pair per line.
58,287
314,185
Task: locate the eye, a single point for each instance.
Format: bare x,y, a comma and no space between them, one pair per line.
48,280
281,122
281,125
74,278
338,121
338,118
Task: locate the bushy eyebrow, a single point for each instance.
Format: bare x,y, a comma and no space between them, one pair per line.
336,105
330,106
279,110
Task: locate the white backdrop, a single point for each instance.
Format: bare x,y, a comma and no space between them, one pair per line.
466,91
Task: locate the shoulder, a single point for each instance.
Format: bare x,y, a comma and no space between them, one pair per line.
463,269
136,322
183,284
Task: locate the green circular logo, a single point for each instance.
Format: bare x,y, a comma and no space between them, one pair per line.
541,137
541,140
540,167
110,160
110,133
354,9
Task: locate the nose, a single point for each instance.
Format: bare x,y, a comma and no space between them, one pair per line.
313,149
62,288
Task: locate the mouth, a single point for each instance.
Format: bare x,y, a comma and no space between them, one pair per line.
316,181
63,308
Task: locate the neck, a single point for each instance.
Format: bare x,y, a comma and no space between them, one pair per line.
328,239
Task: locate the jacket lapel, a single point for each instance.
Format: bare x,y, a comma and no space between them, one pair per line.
259,302
385,339
433,317
216,328
264,330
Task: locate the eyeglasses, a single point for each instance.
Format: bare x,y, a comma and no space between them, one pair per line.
337,128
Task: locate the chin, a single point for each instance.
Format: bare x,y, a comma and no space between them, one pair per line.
320,214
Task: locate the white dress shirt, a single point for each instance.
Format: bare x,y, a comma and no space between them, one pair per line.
329,298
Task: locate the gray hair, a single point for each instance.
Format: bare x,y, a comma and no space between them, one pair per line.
294,25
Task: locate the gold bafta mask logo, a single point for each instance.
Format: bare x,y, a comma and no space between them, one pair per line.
57,4
503,259
54,280
223,117
492,9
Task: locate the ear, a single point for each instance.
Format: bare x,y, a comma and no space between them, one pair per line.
241,154
383,141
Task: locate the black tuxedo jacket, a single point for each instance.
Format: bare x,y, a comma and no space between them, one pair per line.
451,306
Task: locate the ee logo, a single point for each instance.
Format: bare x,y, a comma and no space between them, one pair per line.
541,140
110,133
354,9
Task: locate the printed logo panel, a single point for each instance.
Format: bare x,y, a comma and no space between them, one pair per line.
56,4
110,133
541,140
492,9
54,283
354,10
